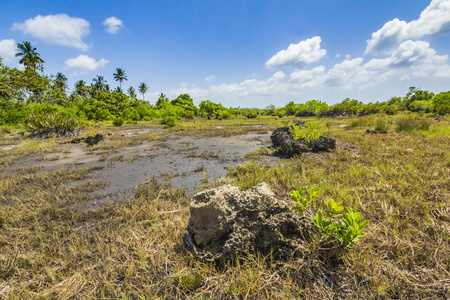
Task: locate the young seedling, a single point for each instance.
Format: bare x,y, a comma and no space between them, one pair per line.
304,200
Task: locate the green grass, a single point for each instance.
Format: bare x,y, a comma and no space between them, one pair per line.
51,248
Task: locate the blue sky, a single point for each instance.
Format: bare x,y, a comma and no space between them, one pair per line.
248,53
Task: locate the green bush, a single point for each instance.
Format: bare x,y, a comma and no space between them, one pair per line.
358,122
224,115
332,225
53,125
251,114
441,103
118,121
410,125
170,121
189,114
310,131
380,125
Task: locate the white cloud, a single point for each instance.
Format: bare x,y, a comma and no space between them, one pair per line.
57,29
413,59
433,20
210,78
7,50
113,24
85,63
303,53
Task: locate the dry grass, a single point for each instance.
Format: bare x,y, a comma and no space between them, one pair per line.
52,248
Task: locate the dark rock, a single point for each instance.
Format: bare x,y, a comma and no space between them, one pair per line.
300,123
370,131
94,139
226,223
283,138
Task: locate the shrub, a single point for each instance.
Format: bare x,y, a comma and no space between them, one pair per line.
118,121
251,114
441,103
170,121
189,114
224,114
332,225
380,125
310,131
49,125
409,125
358,122
423,105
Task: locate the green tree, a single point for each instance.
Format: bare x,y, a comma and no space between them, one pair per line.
131,92
29,57
441,103
143,88
99,83
162,101
61,82
80,88
120,76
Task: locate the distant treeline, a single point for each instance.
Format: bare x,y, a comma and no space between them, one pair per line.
30,92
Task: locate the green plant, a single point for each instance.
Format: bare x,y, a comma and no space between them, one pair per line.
332,225
170,121
409,125
304,199
380,125
347,228
49,125
118,121
310,131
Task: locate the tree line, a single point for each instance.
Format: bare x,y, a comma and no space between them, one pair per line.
30,91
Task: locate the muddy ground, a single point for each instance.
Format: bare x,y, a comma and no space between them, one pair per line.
182,160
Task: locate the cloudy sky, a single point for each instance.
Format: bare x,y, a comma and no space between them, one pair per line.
248,53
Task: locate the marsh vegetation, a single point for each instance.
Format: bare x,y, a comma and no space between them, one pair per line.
54,244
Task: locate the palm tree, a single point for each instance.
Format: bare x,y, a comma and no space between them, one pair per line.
143,88
131,92
99,83
120,76
80,88
29,57
61,82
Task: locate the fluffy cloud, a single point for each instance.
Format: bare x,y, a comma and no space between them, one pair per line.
410,60
303,53
413,59
210,77
85,63
7,50
113,25
57,29
433,20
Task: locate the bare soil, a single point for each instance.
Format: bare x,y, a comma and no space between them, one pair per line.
182,160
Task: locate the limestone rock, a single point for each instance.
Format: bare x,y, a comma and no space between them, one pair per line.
283,138
226,223
94,139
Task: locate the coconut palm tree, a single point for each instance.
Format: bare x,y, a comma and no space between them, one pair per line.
61,82
143,88
29,57
131,92
80,88
120,76
99,83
